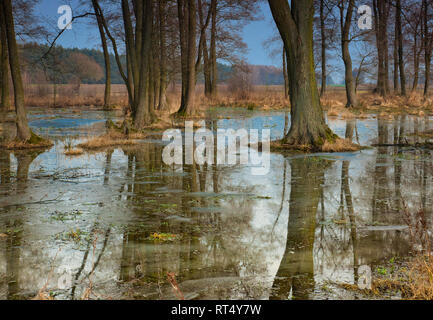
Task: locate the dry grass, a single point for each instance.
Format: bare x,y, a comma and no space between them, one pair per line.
259,97
379,287
414,277
41,95
22,145
340,145
110,139
35,142
420,278
74,152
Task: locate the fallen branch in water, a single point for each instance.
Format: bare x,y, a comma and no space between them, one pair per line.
172,279
414,145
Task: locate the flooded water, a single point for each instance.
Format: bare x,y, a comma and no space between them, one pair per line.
118,221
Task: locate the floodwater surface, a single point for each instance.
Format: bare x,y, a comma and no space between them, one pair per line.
117,224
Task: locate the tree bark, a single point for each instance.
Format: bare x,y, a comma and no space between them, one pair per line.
187,106
213,56
416,55
400,49
162,9
308,127
286,75
345,22
203,50
323,47
182,18
143,109
428,46
107,91
381,14
395,58
4,67
23,130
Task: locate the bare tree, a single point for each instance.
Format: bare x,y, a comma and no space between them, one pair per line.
427,38
345,23
381,10
4,66
107,92
187,31
398,14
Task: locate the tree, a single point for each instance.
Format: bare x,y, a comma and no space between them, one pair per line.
345,23
4,66
276,50
427,37
295,24
23,130
323,46
415,22
381,10
162,11
226,19
400,47
240,82
286,75
82,67
107,91
187,32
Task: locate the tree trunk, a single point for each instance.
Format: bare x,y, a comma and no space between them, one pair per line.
381,13
345,29
142,116
213,57
428,43
308,127
395,58
182,17
323,47
23,130
400,49
162,6
416,55
107,92
286,75
4,67
427,74
203,49
187,108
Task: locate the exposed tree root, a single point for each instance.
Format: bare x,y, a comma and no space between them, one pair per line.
338,145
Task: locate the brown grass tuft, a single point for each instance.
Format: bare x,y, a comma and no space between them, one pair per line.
340,145
74,152
23,145
420,278
111,139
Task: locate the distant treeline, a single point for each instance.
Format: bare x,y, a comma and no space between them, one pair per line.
66,65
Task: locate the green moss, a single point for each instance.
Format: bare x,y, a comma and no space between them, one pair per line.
35,139
330,136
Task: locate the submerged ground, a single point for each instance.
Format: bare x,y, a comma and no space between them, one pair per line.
117,224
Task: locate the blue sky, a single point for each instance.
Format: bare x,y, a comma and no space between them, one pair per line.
83,36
